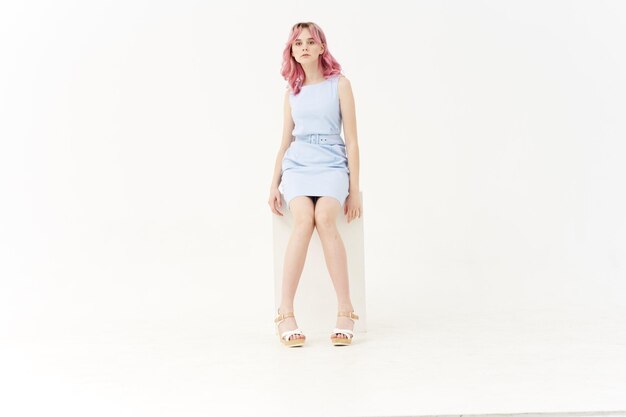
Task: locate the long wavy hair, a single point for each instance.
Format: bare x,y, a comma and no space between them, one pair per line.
291,69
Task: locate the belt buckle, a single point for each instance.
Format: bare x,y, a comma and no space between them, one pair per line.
315,138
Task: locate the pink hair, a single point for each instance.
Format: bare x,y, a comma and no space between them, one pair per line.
292,71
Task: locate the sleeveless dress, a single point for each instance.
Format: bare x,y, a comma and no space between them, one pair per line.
316,163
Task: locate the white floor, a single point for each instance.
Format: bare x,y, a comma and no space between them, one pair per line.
522,362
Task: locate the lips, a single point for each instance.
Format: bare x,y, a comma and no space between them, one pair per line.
306,55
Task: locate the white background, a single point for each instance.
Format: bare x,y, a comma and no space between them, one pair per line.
138,141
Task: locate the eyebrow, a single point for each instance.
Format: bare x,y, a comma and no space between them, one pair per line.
301,39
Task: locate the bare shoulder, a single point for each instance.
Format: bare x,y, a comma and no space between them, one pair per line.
344,85
345,89
288,92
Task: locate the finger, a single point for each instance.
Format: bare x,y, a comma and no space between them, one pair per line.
273,208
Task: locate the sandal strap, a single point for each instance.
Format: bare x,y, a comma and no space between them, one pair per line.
290,333
349,314
282,316
347,332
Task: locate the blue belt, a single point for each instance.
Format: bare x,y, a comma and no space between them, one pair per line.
321,138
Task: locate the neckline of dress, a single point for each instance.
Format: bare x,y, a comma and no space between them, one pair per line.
321,82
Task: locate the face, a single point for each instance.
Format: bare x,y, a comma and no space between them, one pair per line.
304,49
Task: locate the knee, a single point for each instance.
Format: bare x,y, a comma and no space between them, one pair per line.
304,222
323,220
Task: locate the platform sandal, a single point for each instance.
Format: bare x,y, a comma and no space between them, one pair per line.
284,336
344,341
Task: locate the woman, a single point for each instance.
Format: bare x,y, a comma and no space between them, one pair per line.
319,173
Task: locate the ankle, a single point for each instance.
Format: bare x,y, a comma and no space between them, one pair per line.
345,307
285,309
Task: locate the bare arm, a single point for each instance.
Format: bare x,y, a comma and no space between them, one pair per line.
348,115
288,126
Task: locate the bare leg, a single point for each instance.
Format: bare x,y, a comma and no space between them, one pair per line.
302,210
326,211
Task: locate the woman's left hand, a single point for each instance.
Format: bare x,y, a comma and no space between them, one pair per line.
352,207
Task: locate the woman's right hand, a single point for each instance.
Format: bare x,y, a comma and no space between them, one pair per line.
275,200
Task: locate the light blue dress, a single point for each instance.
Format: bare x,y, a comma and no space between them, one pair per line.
316,163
